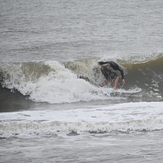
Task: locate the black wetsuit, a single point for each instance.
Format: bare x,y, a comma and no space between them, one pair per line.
115,66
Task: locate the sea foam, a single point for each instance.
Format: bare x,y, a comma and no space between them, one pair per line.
125,117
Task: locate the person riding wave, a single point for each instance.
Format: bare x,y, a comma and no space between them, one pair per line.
112,72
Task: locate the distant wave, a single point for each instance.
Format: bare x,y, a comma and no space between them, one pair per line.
55,82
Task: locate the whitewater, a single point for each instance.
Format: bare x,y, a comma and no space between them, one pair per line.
126,117
52,109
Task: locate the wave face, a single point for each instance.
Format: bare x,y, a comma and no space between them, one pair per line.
55,82
147,75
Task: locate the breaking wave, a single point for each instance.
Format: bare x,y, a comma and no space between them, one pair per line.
55,82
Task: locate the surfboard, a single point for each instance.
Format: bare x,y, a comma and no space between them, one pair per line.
123,92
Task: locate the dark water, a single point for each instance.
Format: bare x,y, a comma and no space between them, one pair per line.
13,101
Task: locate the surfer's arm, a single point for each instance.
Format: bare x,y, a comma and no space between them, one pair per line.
122,74
121,71
116,66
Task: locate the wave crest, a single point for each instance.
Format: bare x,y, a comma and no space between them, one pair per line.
56,82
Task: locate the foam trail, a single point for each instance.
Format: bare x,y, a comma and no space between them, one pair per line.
126,117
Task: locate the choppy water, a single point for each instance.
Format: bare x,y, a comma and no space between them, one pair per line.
51,108
64,30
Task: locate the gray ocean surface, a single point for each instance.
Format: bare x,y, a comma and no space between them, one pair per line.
48,57
65,30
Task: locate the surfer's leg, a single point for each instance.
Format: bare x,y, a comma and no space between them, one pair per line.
104,83
116,82
104,71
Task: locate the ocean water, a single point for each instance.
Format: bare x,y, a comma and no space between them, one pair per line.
51,108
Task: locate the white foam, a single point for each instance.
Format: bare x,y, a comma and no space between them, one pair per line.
59,85
55,83
124,117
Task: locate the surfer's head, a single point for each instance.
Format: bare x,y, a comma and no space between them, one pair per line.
101,63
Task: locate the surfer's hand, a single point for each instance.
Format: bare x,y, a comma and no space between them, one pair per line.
123,81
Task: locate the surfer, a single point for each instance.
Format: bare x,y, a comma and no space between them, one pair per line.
112,72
